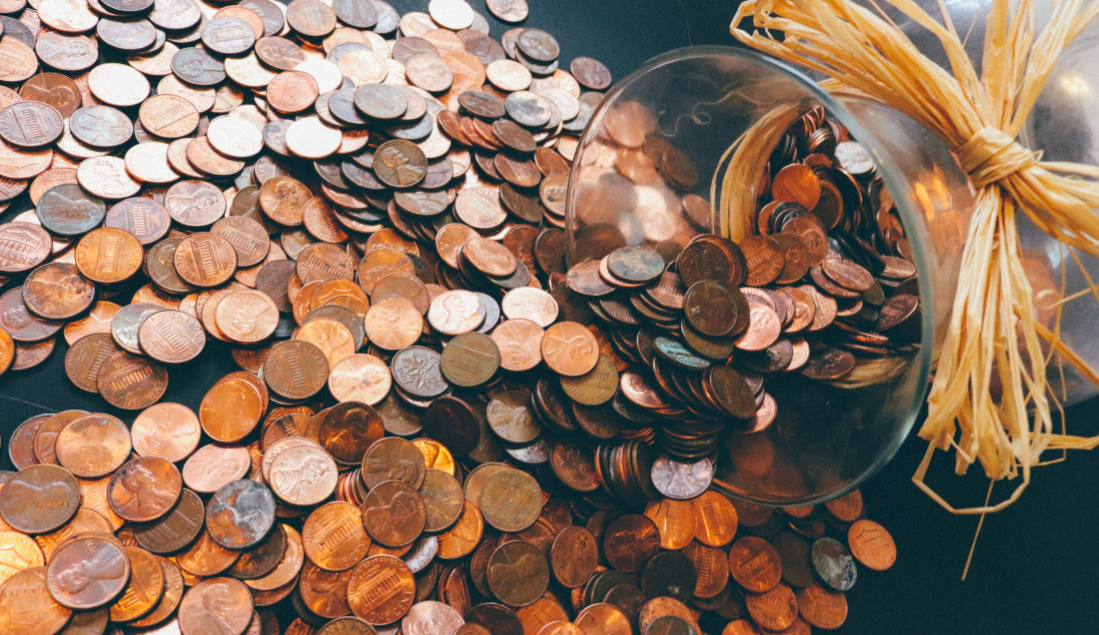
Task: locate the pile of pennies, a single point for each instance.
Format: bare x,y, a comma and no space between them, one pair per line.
436,428
823,289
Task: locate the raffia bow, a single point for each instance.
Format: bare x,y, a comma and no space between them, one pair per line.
993,331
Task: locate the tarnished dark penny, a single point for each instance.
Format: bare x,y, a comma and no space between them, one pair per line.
833,564
30,124
197,67
399,163
68,210
39,499
240,514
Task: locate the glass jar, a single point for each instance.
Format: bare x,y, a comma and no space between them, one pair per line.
827,436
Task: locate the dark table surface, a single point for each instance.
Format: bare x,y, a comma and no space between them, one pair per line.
1036,564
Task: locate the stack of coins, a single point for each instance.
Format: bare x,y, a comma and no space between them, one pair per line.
429,431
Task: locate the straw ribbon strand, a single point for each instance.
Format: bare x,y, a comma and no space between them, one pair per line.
992,155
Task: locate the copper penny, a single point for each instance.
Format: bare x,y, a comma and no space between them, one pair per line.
39,499
87,572
296,369
394,514
303,475
872,545
393,323
381,590
23,246
574,556
93,446
755,564
570,349
108,255
168,430
171,337
144,489
176,529
57,291
715,519
205,260
511,501
334,537
212,466
218,606
130,382
519,342
42,615
361,378
822,608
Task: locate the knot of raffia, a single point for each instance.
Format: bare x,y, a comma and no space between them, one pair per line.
992,155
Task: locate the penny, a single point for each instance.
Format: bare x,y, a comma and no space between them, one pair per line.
569,349
518,573
144,489
20,553
222,606
205,260
93,446
295,369
240,514
57,291
872,545
574,556
41,613
591,73
87,572
171,337
395,582
303,475
715,519
334,537
23,246
39,499
144,218
511,501
67,210
774,610
130,382
176,529
603,618
394,514
30,124
822,608
509,10
754,564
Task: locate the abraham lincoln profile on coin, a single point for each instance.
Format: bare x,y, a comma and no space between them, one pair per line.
293,480
400,163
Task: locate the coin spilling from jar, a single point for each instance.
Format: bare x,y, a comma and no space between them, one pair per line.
437,425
